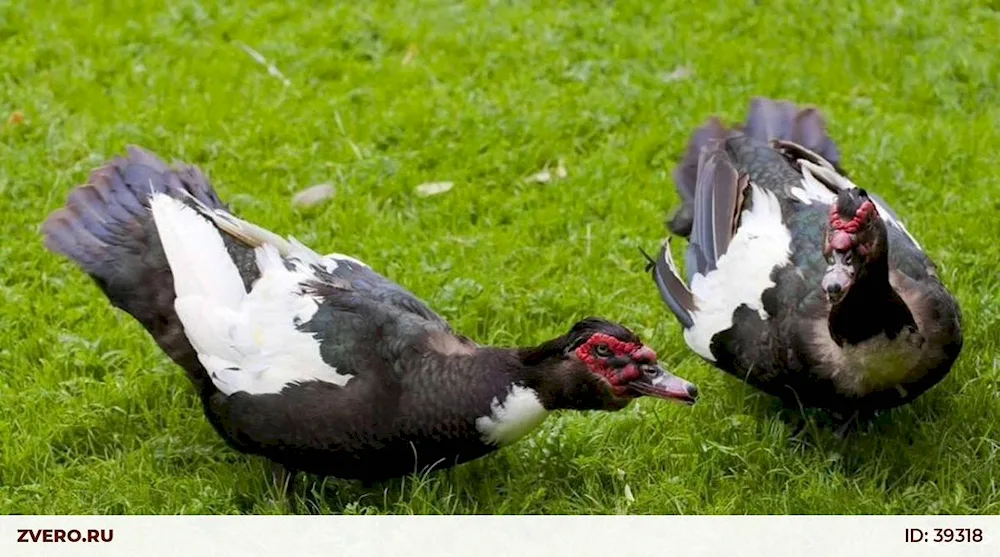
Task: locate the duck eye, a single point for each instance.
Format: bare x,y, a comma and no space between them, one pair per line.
602,351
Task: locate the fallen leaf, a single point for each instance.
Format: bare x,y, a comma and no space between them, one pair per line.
561,170
434,188
679,73
16,118
545,175
312,196
411,54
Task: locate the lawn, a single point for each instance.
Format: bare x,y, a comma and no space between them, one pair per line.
378,99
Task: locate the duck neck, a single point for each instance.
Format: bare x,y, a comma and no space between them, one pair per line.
507,366
871,307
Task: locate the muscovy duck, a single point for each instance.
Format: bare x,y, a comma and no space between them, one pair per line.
318,363
799,282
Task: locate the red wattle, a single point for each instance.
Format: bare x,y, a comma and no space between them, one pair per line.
841,240
644,355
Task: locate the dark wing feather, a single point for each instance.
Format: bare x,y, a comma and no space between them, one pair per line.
364,281
686,174
674,292
717,191
368,322
719,194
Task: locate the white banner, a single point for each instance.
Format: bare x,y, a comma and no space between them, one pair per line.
499,536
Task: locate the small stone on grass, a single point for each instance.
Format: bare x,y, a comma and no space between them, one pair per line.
312,196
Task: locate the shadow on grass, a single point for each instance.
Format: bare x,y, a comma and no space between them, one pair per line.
897,452
902,446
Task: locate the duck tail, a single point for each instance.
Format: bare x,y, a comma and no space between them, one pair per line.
769,120
107,229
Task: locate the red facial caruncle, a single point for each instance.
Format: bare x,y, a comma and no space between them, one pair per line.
619,377
843,235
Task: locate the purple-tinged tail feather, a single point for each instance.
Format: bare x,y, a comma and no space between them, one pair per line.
767,120
106,229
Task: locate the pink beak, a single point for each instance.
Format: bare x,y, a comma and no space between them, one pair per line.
660,383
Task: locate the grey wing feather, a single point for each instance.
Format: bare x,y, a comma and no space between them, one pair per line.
718,198
363,280
715,208
686,174
673,291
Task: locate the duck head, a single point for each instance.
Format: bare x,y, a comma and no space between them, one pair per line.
856,238
600,365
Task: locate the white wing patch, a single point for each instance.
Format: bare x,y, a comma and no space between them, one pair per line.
247,341
256,236
742,274
329,262
335,257
513,417
814,190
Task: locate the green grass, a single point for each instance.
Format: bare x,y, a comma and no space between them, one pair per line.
94,419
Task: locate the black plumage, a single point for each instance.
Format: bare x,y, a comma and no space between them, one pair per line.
848,312
319,363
